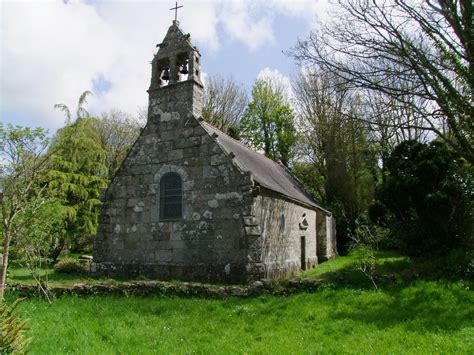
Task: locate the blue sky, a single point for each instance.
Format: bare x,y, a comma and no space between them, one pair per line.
51,51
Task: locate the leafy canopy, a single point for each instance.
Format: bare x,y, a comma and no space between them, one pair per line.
268,122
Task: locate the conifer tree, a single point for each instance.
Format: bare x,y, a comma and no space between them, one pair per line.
76,178
81,112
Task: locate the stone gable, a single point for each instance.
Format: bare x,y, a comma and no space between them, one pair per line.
216,196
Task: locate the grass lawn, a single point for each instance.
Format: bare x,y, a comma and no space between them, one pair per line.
421,316
20,274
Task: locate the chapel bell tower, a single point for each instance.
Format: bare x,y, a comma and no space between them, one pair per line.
176,76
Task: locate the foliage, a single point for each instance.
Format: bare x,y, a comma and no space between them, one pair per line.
69,266
42,220
427,199
118,131
337,162
311,178
81,112
460,263
224,104
268,122
417,53
365,245
23,160
76,178
12,330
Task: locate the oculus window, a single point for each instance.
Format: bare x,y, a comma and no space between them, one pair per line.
171,197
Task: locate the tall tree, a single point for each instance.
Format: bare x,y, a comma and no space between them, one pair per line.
337,161
371,44
224,104
76,177
268,122
23,160
390,123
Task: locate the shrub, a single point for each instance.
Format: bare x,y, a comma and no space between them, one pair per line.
426,200
69,266
460,263
82,244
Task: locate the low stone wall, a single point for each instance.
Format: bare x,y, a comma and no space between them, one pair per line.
163,288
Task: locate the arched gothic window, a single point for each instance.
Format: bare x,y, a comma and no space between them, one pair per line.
171,197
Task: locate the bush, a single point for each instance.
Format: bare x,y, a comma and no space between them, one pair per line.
460,263
82,244
426,200
69,266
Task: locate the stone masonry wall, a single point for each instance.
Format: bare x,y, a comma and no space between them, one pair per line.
206,244
326,246
182,98
282,227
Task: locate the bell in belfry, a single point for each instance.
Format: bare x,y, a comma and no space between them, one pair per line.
184,69
166,74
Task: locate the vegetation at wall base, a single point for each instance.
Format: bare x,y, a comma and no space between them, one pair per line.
69,266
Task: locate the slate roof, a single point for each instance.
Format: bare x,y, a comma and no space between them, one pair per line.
266,172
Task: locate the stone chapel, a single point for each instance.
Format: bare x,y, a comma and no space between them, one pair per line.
191,203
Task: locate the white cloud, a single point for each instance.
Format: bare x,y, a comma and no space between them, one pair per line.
242,21
309,9
51,52
54,53
252,22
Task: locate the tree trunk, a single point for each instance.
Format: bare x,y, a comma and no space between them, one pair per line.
4,268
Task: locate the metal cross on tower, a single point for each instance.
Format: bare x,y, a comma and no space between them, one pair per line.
175,8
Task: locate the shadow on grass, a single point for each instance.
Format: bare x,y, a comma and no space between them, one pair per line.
391,270
416,293
423,305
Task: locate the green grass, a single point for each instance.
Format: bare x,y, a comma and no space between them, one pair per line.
346,315
426,317
20,274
